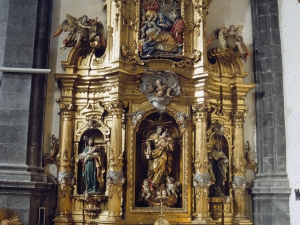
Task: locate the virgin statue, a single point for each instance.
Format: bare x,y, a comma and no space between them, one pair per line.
158,150
92,168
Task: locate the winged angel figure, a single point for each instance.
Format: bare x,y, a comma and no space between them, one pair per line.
231,38
80,29
160,88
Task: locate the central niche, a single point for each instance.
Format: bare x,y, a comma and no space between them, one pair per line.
158,162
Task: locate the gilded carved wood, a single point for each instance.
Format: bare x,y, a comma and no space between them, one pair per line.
155,112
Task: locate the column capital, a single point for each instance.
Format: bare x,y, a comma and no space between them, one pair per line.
67,107
238,118
200,111
116,107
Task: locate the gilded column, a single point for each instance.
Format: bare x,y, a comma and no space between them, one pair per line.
201,179
65,179
115,175
239,166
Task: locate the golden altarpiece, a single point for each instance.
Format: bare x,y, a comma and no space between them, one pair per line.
149,119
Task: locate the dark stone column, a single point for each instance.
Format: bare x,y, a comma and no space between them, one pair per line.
23,185
271,187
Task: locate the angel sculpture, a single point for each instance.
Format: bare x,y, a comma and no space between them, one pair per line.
146,189
160,87
172,186
231,38
80,29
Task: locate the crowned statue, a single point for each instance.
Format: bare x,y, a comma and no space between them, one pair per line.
158,151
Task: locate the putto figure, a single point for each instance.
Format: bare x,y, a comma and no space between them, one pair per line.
172,186
81,29
231,38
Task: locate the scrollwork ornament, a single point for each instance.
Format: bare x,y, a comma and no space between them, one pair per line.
94,122
52,158
65,106
239,166
131,54
201,8
251,164
201,191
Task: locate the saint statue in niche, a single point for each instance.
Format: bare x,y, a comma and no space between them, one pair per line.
158,151
92,167
161,30
217,170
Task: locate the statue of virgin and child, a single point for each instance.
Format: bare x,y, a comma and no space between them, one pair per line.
158,151
159,185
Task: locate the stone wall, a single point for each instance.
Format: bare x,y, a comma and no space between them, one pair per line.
271,187
22,181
